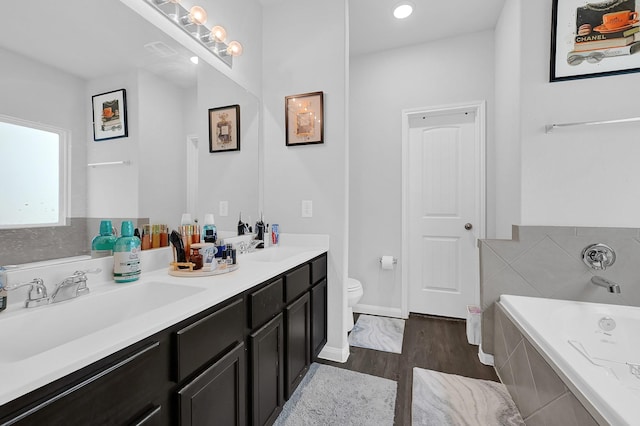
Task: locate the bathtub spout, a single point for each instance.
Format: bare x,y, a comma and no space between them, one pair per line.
609,285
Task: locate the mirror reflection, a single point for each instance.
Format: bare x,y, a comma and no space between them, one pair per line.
163,167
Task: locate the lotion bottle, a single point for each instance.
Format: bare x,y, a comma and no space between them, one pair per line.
102,245
126,255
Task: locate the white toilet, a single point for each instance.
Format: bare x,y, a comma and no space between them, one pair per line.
354,294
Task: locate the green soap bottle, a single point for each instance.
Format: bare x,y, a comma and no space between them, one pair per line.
102,245
126,255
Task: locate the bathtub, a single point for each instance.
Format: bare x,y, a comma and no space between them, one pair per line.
588,345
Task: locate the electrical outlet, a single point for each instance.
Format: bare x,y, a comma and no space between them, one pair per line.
307,208
224,208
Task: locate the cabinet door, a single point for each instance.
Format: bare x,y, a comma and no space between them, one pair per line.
297,342
150,418
318,318
217,396
267,378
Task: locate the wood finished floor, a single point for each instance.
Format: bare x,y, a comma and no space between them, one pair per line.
433,343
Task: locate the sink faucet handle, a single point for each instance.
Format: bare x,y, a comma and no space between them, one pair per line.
37,292
88,271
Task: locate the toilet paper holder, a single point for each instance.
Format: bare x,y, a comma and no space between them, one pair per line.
395,260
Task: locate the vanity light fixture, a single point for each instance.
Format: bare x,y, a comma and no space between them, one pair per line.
403,10
192,23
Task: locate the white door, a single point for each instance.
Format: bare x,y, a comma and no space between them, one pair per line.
443,212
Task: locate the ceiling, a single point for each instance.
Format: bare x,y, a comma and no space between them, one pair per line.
372,26
111,38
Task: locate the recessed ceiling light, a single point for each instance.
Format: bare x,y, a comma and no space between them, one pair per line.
194,59
403,10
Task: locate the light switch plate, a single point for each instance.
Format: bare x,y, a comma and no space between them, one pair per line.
307,208
224,208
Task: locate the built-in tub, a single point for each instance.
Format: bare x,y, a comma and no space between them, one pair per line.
588,345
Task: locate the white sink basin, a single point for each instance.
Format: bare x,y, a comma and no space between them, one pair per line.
272,254
40,329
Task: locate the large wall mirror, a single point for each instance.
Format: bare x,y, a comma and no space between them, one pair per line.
76,49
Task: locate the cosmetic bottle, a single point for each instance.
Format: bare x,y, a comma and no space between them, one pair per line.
209,230
126,255
102,245
275,234
146,237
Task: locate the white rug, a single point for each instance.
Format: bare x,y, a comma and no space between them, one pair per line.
334,396
379,333
441,399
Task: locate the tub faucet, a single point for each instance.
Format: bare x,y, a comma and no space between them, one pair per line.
609,285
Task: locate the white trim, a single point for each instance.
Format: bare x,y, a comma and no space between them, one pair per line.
383,311
485,358
479,107
331,353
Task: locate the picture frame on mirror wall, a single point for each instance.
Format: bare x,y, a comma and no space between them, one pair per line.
110,115
304,119
594,39
224,128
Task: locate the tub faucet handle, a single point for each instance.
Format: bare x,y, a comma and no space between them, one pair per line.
598,256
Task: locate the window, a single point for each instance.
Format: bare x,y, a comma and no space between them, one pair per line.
33,161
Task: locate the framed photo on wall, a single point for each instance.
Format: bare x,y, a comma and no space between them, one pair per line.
594,39
304,121
224,128
110,115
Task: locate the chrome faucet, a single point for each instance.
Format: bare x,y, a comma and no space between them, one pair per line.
37,292
609,285
72,286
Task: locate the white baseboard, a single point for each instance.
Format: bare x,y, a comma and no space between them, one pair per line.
486,359
334,354
378,310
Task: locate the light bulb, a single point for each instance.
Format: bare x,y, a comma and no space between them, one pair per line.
218,34
403,10
234,48
197,15
194,59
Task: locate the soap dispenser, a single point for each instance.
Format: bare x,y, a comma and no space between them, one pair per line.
102,245
126,255
261,231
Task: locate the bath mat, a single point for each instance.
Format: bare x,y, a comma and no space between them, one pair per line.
379,333
334,396
448,399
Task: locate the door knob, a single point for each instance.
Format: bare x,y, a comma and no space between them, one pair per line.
468,226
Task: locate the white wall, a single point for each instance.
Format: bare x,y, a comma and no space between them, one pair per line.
37,92
305,51
112,191
576,176
162,145
382,85
507,163
227,176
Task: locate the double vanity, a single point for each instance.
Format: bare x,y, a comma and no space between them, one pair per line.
228,349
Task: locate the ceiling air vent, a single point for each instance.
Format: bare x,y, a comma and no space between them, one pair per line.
160,49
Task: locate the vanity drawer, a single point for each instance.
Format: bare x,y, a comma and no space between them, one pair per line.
296,283
207,338
265,303
318,269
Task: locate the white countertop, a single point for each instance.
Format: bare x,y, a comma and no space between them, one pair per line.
26,374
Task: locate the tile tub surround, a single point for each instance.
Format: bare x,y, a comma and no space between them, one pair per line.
540,394
546,261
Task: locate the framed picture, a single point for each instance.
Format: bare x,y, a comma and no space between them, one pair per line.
110,115
304,122
594,39
224,128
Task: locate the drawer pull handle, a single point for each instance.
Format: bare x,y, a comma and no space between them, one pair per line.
84,383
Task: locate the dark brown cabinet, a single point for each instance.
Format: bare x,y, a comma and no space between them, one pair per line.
218,394
233,364
297,342
267,378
